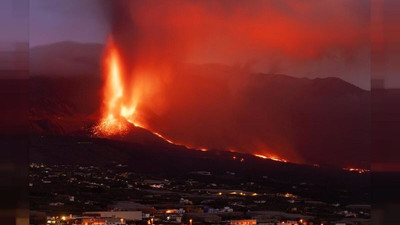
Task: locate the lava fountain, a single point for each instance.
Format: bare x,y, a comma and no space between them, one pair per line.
119,110
115,112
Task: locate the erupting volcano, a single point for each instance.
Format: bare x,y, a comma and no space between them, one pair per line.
120,104
212,77
116,109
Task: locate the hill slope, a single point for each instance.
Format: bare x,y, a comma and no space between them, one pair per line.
323,121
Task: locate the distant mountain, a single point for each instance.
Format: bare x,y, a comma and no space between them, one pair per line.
385,126
63,105
65,59
323,120
326,120
64,86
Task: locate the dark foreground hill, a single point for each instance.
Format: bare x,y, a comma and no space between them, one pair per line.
165,158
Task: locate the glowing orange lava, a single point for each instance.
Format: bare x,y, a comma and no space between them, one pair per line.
116,114
358,170
119,110
270,157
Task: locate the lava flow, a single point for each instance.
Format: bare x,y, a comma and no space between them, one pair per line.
358,170
270,157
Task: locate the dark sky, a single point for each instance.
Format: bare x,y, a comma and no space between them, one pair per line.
13,22
67,20
88,21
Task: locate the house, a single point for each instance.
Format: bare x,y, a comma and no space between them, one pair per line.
125,215
243,222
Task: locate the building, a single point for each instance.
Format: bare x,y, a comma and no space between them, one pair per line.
125,215
93,221
243,222
289,222
201,218
281,216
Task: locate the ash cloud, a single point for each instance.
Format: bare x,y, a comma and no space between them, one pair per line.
301,35
195,62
